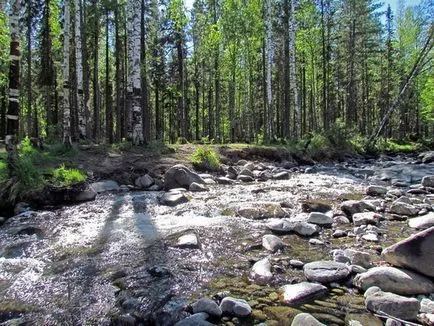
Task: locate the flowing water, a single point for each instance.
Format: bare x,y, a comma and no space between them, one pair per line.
95,262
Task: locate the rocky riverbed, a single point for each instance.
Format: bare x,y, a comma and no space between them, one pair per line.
343,244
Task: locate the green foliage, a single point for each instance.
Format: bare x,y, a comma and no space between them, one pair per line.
390,146
65,177
205,159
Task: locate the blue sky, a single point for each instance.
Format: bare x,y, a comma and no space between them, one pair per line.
394,4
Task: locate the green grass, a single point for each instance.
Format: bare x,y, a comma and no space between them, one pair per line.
205,159
66,177
391,146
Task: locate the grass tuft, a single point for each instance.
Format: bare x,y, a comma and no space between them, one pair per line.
205,159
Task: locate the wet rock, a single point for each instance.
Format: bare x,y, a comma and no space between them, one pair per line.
396,280
235,307
319,218
395,193
2,220
426,157
427,306
180,176
366,218
207,305
376,190
105,185
316,242
188,241
295,294
261,271
359,257
395,305
197,187
371,236
272,243
198,319
351,207
159,271
326,271
85,195
225,181
305,319
287,226
144,182
173,199
416,252
245,178
258,211
428,181
422,222
246,172
340,220
283,175
315,206
402,208
339,234
22,207
296,263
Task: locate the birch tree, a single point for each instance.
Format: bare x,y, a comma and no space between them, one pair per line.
12,116
292,71
79,66
268,128
66,107
134,79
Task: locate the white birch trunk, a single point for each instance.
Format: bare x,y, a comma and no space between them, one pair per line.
292,71
79,66
269,67
66,107
134,79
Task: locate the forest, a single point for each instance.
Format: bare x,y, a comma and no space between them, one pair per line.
262,71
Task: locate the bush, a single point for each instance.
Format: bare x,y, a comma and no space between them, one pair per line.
65,177
205,159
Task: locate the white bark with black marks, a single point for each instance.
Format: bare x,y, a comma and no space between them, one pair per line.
79,66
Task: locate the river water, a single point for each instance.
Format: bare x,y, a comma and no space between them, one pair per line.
102,261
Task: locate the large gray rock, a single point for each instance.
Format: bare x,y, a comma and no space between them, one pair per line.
144,182
258,211
351,207
319,218
428,181
305,319
427,157
365,218
427,306
326,271
299,293
416,252
393,304
105,185
198,319
402,208
235,307
376,190
287,226
422,222
272,243
179,176
358,257
396,280
261,271
173,198
188,240
207,305
315,206
85,195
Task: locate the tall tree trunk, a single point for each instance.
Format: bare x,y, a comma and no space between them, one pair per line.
118,77
79,66
29,69
134,79
286,73
292,70
146,112
268,123
2,112
66,107
108,86
182,109
96,90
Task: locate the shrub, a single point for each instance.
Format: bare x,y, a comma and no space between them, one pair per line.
65,177
205,159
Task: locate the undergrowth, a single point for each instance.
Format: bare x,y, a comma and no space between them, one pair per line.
205,159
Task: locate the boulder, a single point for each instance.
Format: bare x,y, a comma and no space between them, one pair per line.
282,175
259,211
358,257
85,195
416,252
403,208
198,319
376,190
144,182
261,271
427,306
287,226
235,307
179,176
225,181
189,240
272,243
305,319
365,218
295,294
351,207
173,198
105,185
426,157
422,222
326,271
319,219
428,181
207,305
315,206
395,305
22,207
396,280
370,236
197,187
